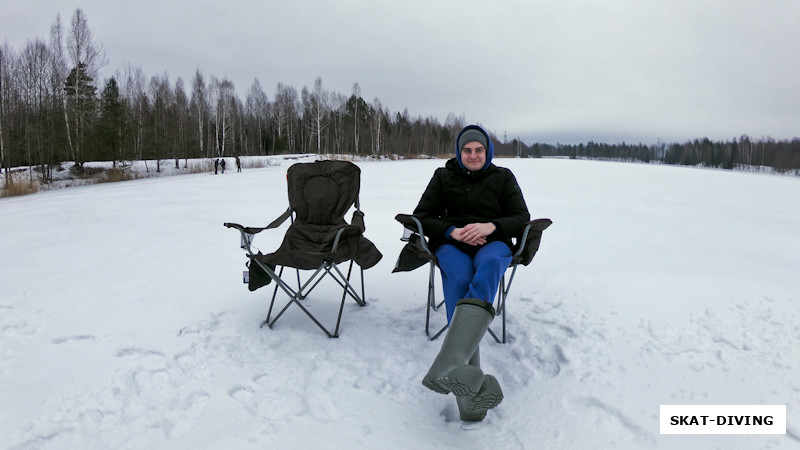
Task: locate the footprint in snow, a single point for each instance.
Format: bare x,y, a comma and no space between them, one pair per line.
192,366
65,339
193,408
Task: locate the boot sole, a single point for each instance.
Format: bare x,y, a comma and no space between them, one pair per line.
463,381
474,409
448,385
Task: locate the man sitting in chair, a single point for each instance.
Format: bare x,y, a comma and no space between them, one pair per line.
470,210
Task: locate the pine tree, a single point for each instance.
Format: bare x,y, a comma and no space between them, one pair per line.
80,98
110,125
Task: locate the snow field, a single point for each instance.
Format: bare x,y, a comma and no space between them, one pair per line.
125,323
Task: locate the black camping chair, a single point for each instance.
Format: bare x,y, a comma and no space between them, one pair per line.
416,253
319,238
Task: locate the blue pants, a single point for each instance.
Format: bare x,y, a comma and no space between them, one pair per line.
464,276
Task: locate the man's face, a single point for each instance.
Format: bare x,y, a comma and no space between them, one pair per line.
473,156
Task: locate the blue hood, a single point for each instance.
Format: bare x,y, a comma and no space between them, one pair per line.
489,151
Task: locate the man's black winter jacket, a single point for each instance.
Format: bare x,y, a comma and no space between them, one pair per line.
457,197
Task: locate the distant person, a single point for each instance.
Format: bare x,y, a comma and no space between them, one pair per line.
216,166
238,165
222,164
470,211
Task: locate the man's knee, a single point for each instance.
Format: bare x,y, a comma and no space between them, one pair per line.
495,258
496,262
459,277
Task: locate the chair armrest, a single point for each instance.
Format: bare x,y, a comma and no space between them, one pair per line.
540,224
339,236
533,225
528,243
416,252
244,229
247,234
522,240
413,224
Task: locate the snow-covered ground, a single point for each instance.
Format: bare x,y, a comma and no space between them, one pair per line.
124,322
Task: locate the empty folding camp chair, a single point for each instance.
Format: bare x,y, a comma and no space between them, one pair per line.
319,238
416,254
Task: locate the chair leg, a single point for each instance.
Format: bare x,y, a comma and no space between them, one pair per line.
363,296
432,305
283,310
501,304
344,282
274,294
344,297
293,295
430,301
335,334
505,297
502,294
304,290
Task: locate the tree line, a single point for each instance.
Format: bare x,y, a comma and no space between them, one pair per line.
782,156
54,108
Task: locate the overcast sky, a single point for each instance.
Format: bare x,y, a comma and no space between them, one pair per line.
563,71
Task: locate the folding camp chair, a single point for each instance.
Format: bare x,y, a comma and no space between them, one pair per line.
318,239
416,254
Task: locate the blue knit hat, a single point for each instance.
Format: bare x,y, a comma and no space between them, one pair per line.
472,133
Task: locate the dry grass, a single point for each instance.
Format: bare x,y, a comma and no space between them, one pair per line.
86,172
13,188
338,157
203,166
16,182
395,157
114,175
248,163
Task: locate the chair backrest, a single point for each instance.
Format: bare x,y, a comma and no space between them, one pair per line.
322,192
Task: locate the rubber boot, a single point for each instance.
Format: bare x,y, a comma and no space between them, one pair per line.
451,371
489,395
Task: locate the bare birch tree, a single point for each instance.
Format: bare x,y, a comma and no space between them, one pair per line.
285,113
163,129
257,114
87,57
338,111
357,95
5,87
33,70
376,127
320,101
224,112
58,120
200,106
182,119
136,101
